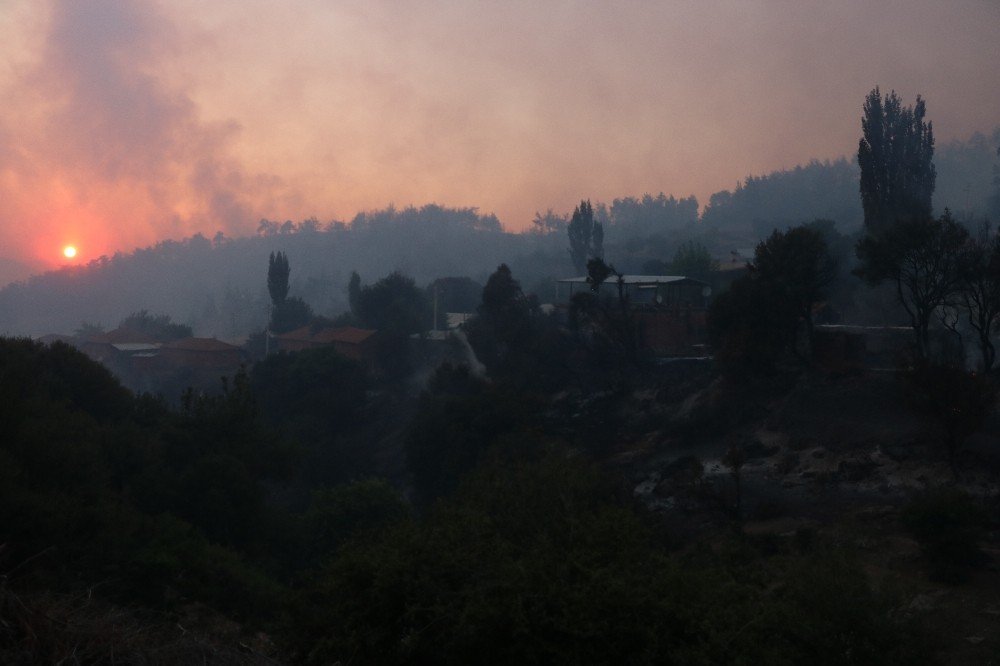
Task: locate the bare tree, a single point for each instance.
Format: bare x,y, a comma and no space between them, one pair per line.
923,259
980,293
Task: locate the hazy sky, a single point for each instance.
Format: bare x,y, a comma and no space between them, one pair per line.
123,123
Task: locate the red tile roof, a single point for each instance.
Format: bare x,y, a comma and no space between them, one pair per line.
346,334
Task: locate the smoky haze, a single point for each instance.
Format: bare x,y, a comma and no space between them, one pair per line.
568,332
216,285
126,124
104,151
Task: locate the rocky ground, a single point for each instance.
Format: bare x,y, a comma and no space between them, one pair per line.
831,457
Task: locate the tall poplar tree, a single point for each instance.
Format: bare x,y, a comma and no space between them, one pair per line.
895,155
995,197
586,237
278,271
904,244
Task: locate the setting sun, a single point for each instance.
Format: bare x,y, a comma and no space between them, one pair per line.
69,251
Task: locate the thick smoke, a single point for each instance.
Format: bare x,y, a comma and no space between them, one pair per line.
104,148
127,122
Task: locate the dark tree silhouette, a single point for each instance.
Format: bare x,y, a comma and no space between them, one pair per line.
994,201
287,314
750,326
950,526
782,198
957,400
396,308
354,293
895,153
649,215
797,267
290,314
608,320
158,327
517,343
586,236
548,223
734,459
923,259
693,260
980,290
504,322
598,273
394,304
278,271
757,322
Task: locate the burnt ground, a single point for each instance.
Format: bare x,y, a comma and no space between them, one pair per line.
831,457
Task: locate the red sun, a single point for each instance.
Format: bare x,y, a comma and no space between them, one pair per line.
69,251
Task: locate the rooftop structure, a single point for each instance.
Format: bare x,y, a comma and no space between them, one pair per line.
312,337
649,290
354,343
640,280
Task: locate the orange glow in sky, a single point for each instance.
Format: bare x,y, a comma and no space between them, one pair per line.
69,252
130,123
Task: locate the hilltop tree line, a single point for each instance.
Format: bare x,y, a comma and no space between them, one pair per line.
212,283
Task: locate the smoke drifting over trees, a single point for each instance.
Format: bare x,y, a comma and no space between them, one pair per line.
214,285
125,125
108,139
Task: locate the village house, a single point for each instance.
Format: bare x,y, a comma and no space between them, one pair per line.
207,354
357,344
143,363
669,311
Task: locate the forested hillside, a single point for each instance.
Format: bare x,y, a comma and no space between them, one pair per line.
215,285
